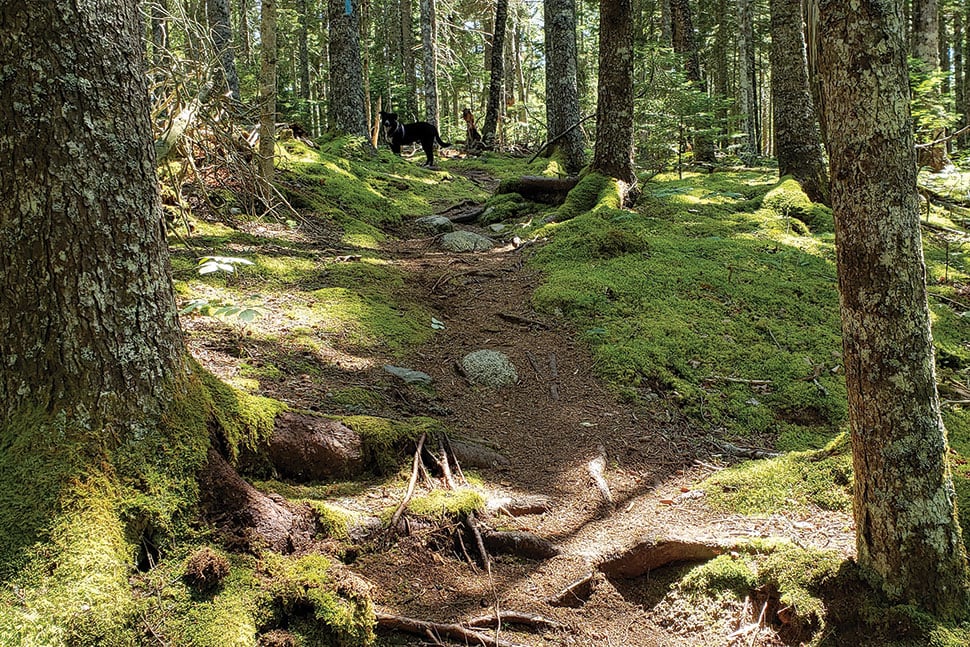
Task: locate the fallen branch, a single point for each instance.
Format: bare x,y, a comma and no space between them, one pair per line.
525,321
596,468
414,479
514,617
479,541
575,594
455,632
745,452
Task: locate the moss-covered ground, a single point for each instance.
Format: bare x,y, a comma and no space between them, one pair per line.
714,297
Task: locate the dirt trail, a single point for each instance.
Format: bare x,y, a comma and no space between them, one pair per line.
551,425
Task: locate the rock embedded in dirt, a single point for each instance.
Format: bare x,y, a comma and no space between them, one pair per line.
310,448
409,375
490,368
435,224
466,241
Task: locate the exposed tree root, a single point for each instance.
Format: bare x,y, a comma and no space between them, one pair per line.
548,190
649,555
520,544
436,630
246,519
414,479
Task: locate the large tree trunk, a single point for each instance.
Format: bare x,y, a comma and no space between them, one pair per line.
686,45
907,535
496,85
346,105
613,155
562,95
217,12
429,42
798,146
88,314
267,91
751,148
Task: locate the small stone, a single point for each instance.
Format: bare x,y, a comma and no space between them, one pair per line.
466,241
435,224
498,228
489,367
410,376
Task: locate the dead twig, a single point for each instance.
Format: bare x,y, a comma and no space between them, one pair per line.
456,632
411,483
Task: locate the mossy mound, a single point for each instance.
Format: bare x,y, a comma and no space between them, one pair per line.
489,368
788,201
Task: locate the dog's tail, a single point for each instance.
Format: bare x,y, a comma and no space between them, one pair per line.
441,143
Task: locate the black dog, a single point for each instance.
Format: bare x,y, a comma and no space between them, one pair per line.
398,134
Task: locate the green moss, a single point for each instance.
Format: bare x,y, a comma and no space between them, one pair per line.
244,420
334,521
356,399
383,438
694,287
724,572
447,504
797,481
787,200
342,613
593,192
505,206
75,589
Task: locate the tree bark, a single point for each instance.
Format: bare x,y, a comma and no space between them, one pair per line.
798,146
686,45
613,154
217,12
303,35
562,93
925,34
430,60
496,85
907,535
267,91
346,105
751,148
89,319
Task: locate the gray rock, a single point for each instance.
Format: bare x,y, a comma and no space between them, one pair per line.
498,228
409,375
435,224
465,241
489,367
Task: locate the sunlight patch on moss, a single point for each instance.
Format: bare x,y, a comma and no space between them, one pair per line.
796,482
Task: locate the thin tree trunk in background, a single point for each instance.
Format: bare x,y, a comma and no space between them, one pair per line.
682,28
346,110
303,34
908,539
496,86
798,146
959,87
750,149
217,11
408,64
562,93
243,33
267,90
944,53
613,154
925,34
666,29
430,47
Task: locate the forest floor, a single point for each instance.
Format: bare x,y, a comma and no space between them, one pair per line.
550,426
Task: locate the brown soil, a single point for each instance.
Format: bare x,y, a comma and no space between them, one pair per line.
550,426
